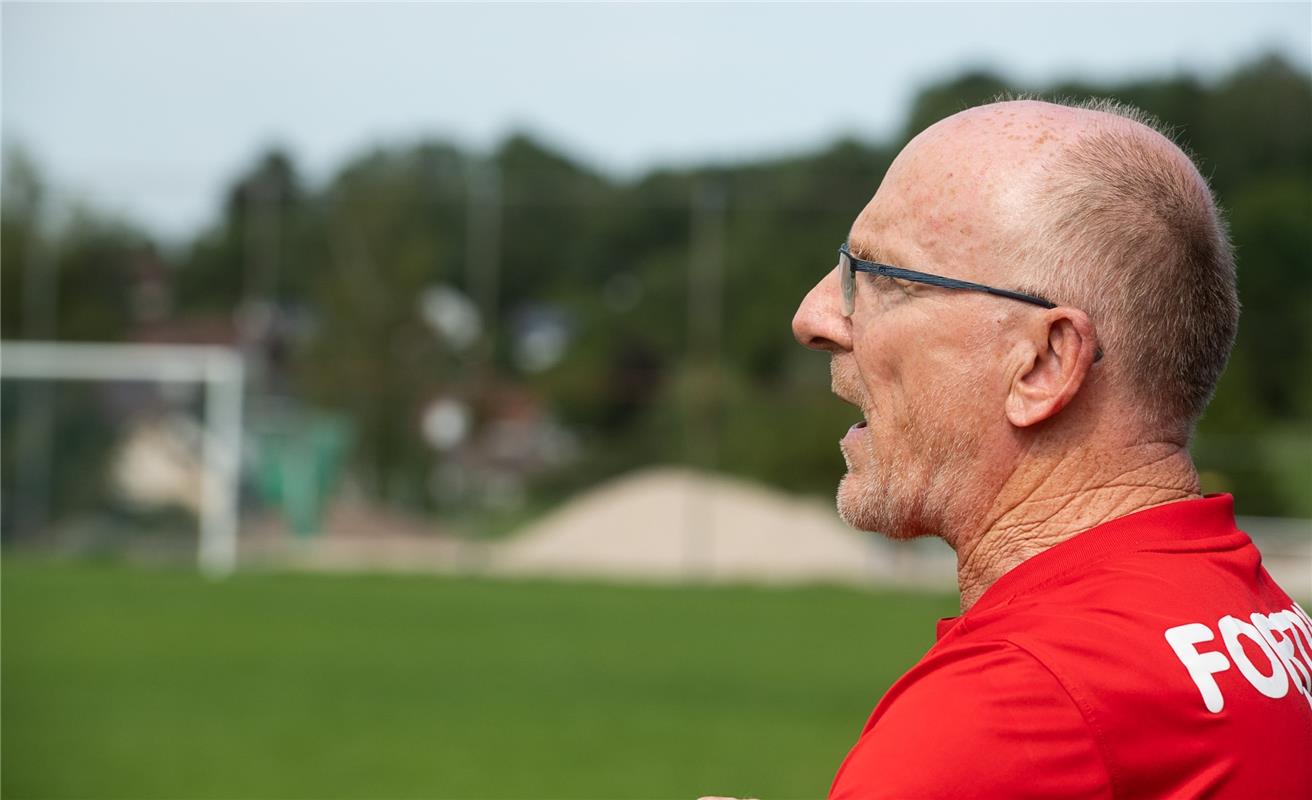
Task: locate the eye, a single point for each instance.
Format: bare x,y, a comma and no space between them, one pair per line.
908,288
890,287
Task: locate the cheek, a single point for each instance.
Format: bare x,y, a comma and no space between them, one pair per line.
936,381
917,369
961,392
903,382
880,374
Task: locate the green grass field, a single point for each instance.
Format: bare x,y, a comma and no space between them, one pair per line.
136,683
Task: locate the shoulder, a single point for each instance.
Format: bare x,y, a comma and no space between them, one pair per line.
980,719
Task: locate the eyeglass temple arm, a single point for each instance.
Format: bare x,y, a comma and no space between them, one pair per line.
952,283
947,283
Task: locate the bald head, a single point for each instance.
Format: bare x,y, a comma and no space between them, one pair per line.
960,193
1091,206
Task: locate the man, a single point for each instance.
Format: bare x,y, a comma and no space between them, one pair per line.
1031,315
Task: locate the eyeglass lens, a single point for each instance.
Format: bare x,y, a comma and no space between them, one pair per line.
848,277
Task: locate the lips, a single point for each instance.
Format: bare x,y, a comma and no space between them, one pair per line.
854,432
847,388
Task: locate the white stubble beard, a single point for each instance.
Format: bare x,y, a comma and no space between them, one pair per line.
913,498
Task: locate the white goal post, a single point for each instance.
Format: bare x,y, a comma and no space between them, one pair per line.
222,372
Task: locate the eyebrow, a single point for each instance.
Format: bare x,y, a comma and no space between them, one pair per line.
873,252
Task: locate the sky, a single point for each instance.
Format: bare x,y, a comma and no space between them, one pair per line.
150,110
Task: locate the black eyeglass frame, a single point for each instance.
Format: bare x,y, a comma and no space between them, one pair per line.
849,265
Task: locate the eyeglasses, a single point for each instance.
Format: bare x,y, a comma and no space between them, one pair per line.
849,265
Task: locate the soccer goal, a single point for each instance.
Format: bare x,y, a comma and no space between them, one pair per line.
219,370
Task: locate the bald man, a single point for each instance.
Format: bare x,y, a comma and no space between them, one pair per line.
1031,315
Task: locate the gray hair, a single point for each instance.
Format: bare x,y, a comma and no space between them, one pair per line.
1130,232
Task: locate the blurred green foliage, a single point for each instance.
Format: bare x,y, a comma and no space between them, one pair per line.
668,360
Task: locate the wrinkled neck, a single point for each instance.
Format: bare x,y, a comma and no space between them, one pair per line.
1047,501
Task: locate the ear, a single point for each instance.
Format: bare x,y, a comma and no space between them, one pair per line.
1054,366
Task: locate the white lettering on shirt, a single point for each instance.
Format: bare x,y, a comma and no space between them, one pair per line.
1201,666
1275,629
1275,685
1302,643
1284,638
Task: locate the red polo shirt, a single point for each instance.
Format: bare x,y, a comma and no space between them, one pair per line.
1152,656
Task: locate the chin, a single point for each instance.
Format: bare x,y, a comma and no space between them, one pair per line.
916,484
871,505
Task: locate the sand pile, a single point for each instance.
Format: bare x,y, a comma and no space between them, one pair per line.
676,524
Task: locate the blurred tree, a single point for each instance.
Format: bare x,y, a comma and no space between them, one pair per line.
676,309
72,277
256,249
21,250
390,227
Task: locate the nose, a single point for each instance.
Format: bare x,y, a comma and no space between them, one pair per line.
819,322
